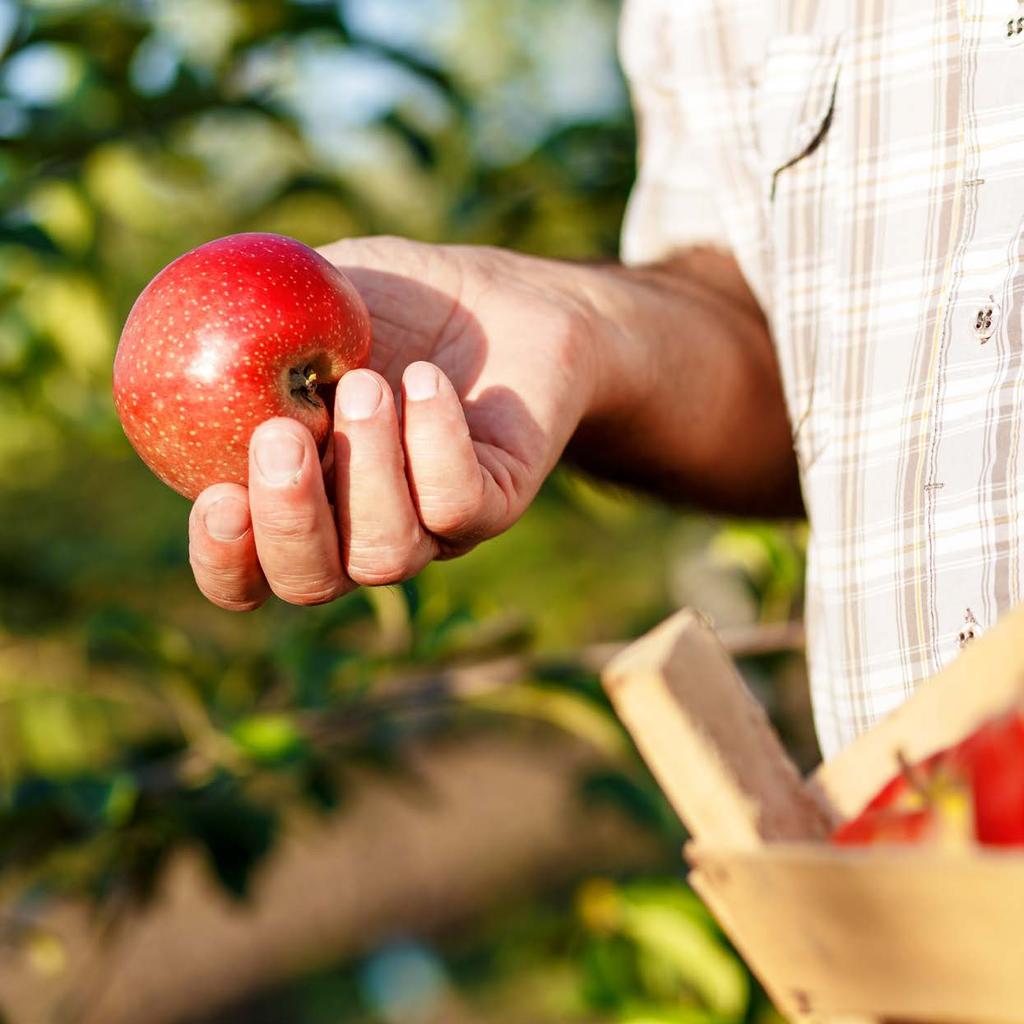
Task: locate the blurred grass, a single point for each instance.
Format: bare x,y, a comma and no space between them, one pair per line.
134,717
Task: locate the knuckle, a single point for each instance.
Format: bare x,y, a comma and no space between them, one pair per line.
228,587
570,322
368,250
379,577
311,600
377,565
286,523
448,518
231,605
451,522
220,574
305,592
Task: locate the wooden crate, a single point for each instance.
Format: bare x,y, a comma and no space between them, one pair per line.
897,934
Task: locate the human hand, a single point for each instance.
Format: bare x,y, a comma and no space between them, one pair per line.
481,369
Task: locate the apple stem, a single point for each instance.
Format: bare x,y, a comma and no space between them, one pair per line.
915,779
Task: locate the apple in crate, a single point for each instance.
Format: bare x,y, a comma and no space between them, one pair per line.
233,333
972,792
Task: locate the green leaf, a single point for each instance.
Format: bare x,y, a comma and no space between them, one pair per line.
684,1015
29,235
568,711
122,796
270,739
680,944
236,833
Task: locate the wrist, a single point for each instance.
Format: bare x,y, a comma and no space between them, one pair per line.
616,369
587,302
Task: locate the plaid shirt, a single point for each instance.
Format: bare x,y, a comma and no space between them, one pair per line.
865,163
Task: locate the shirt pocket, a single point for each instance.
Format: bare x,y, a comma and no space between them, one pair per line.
794,107
795,97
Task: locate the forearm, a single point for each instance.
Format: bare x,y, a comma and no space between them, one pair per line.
687,398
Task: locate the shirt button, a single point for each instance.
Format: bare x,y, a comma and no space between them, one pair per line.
1015,31
968,632
985,321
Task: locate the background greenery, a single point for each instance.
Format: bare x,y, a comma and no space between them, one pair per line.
134,718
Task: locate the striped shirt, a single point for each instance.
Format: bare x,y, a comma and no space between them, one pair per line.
864,161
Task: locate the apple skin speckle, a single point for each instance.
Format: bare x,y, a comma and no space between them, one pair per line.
216,344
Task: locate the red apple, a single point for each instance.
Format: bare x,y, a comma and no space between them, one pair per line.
973,791
993,757
233,333
927,803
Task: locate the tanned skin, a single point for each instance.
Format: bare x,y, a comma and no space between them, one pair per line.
488,367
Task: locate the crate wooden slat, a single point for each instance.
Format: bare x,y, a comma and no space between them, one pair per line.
835,934
707,740
905,935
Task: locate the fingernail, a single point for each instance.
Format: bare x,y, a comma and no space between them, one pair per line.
227,519
358,396
279,457
420,382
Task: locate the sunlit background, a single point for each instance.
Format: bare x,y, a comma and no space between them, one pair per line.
412,806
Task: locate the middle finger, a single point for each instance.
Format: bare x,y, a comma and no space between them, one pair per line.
384,540
296,537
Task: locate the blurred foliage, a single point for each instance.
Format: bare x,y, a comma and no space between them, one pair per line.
639,951
134,718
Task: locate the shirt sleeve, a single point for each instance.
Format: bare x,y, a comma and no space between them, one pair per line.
672,204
